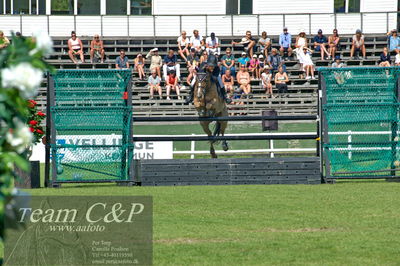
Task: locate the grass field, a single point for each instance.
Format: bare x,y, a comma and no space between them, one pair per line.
349,223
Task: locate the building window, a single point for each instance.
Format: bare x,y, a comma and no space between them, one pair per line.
246,7
21,7
232,7
239,7
140,7
88,7
62,7
116,7
347,6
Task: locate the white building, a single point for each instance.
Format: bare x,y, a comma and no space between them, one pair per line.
169,17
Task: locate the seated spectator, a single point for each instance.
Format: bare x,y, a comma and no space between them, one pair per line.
262,65
171,64
212,45
265,44
237,95
228,62
191,80
228,81
183,45
301,42
96,49
4,41
243,79
196,41
393,41
334,43
139,66
154,84
308,64
320,43
244,60
75,48
397,60
122,60
155,61
203,57
285,43
358,45
254,64
384,60
248,43
338,62
275,61
193,60
280,81
266,78
171,83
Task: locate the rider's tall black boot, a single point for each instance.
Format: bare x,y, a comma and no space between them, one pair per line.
189,98
222,92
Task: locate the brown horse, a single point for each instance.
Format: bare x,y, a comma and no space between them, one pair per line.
209,104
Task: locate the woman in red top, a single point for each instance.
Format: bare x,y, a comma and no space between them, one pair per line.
172,84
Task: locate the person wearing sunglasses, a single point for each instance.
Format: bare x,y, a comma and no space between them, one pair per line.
96,49
75,48
333,42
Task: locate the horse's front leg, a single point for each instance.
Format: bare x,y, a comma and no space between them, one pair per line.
224,144
206,129
212,151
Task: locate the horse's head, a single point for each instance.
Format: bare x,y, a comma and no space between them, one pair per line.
202,84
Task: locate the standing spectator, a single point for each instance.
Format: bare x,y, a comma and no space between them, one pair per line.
228,62
358,45
393,41
203,57
384,60
212,45
183,45
320,43
338,62
243,79
4,41
266,78
285,43
155,61
305,55
275,61
264,43
122,60
228,81
139,66
154,84
196,41
280,81
253,67
193,60
75,48
171,83
262,65
334,43
96,48
244,60
248,43
170,63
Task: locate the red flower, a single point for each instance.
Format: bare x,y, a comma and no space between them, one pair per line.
31,103
40,114
32,129
33,122
39,131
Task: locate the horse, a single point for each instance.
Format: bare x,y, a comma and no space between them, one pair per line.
209,104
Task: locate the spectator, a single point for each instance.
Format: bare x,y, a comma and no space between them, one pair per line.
397,60
96,49
18,34
265,44
243,79
244,60
228,81
266,78
75,48
170,63
285,43
122,60
139,66
393,41
228,62
4,41
338,62
203,57
301,42
193,60
155,61
183,45
212,44
358,45
384,60
280,81
320,43
262,65
154,84
196,41
172,84
248,43
275,61
254,64
334,43
308,64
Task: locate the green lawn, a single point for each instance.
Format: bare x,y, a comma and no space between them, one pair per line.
349,223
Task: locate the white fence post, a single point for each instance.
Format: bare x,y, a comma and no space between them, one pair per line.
192,148
271,146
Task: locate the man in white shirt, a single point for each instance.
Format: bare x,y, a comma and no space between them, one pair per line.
196,41
212,44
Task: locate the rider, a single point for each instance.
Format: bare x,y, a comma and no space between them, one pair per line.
212,67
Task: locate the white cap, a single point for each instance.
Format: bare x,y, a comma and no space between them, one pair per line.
243,53
261,56
254,56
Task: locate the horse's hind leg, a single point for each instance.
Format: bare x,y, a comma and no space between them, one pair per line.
224,144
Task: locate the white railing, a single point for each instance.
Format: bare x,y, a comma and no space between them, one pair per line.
222,25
